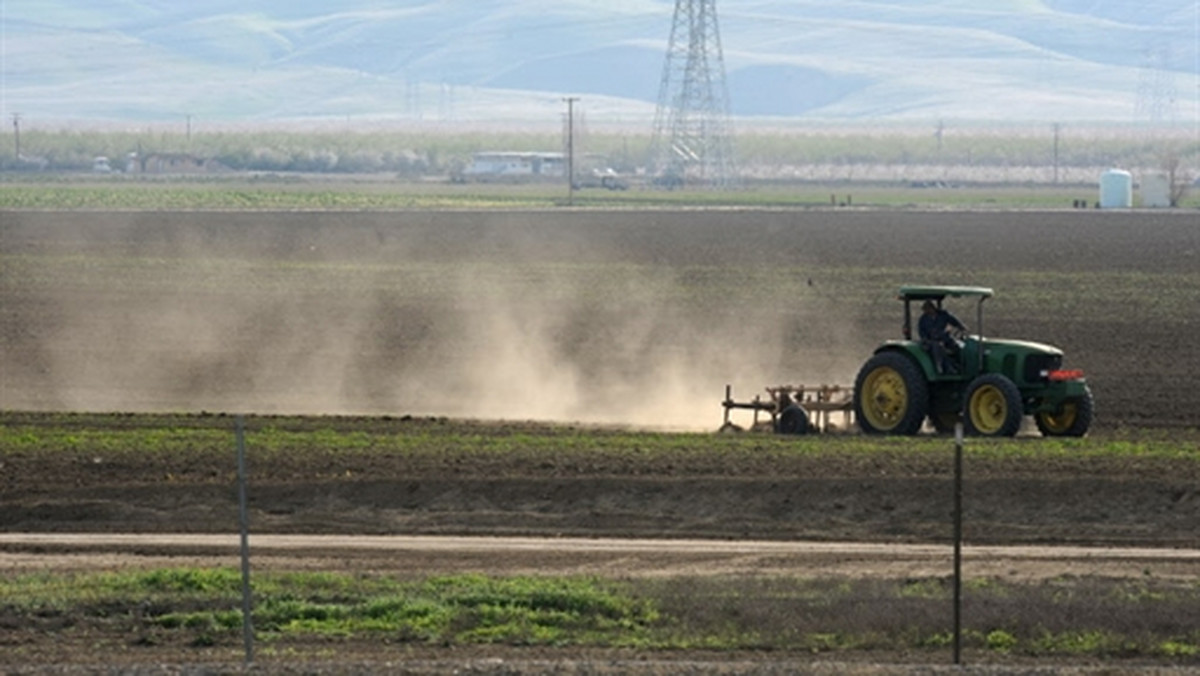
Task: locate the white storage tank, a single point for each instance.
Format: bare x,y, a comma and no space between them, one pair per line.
1116,189
1156,191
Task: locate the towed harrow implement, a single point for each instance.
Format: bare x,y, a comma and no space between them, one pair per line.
794,409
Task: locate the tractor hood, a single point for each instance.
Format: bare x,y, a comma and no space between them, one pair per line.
1022,345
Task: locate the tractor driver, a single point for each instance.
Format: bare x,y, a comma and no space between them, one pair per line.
935,337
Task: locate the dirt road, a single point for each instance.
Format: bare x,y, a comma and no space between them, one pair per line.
619,557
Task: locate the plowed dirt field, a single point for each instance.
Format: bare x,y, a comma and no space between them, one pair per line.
625,317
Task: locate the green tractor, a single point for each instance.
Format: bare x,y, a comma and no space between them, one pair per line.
992,383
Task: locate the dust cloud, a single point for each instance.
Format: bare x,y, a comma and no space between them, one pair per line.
483,322
640,353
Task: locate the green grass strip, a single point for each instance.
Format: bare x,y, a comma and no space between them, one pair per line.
1063,617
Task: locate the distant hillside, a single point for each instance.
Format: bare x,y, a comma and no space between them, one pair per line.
468,60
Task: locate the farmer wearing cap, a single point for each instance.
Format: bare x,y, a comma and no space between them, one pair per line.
935,337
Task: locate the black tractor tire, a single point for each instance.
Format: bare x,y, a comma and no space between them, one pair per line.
1073,420
891,395
792,420
993,407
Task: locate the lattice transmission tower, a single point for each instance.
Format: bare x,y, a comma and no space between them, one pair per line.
693,135
1156,97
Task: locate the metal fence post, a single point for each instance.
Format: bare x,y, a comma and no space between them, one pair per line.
958,494
243,517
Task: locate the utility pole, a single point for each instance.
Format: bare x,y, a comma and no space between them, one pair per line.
1057,129
17,133
571,148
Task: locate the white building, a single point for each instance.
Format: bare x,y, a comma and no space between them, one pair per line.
517,164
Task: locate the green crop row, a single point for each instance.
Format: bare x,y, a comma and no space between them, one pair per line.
142,197
51,433
160,445
239,195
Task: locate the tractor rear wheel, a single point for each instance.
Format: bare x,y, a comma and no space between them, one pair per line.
1072,420
891,395
993,407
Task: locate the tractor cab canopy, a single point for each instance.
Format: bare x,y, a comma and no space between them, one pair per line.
910,293
939,292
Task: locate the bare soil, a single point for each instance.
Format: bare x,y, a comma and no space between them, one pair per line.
634,317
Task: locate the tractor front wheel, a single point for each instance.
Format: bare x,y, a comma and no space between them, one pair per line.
993,407
891,395
1073,418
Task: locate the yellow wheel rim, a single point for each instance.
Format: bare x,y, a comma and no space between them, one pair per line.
988,409
884,398
1062,422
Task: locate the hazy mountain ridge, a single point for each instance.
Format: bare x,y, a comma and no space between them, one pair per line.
1015,60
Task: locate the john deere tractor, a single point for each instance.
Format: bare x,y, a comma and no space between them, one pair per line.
992,383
